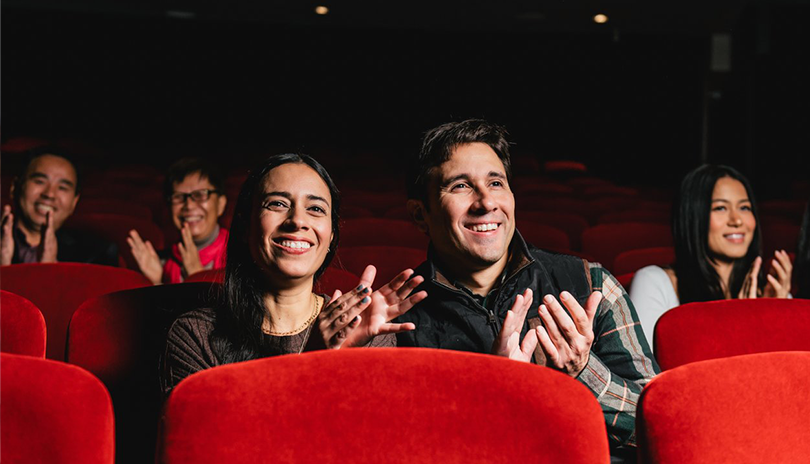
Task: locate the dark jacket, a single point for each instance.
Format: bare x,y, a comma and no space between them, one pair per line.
451,318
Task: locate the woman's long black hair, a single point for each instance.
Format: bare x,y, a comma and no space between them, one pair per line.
238,335
697,278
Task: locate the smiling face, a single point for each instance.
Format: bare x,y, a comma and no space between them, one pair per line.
470,213
200,216
49,185
731,221
291,227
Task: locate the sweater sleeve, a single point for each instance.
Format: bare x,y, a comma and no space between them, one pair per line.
188,349
620,363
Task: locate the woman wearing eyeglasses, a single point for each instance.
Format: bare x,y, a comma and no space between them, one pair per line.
193,190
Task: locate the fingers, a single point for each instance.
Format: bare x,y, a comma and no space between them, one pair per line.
561,326
368,275
336,341
548,347
396,284
519,310
749,288
777,287
8,218
150,248
782,265
7,221
336,295
343,309
397,328
529,343
406,305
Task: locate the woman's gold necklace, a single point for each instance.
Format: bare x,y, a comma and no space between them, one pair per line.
316,309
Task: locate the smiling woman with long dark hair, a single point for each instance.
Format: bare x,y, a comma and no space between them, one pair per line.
283,236
717,249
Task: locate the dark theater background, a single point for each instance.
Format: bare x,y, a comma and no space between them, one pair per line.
640,99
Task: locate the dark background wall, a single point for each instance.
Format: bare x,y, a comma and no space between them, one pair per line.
154,88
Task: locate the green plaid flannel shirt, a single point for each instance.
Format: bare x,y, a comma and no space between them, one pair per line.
621,362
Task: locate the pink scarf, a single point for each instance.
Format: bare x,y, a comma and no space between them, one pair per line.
211,257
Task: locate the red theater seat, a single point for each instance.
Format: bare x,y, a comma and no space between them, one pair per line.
57,289
380,231
22,327
113,206
389,261
331,279
716,329
53,413
741,410
115,228
120,338
573,224
605,242
544,236
208,275
633,260
396,405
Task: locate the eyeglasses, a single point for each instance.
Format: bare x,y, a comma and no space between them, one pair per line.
199,196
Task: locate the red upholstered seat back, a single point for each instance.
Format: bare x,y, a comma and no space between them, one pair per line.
395,405
633,260
120,338
331,279
208,275
605,242
57,289
53,413
116,228
381,231
22,327
544,236
716,329
739,410
389,261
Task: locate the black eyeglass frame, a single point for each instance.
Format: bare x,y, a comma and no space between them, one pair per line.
179,198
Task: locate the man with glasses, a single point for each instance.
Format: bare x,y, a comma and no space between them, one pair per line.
44,196
193,190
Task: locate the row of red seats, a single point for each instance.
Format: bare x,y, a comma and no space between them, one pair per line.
555,231
119,337
428,409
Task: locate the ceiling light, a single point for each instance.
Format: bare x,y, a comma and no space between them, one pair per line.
600,19
321,10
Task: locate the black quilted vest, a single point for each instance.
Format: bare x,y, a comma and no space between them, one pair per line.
450,318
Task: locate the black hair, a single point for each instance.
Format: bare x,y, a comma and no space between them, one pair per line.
238,334
697,278
438,145
184,167
802,266
42,150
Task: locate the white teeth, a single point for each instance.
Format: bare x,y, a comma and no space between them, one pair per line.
483,227
294,244
734,236
44,209
192,219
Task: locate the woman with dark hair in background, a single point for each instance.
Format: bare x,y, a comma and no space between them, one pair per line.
194,192
283,235
717,249
803,256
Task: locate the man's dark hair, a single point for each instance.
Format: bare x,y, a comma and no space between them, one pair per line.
438,145
184,167
37,152
697,278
